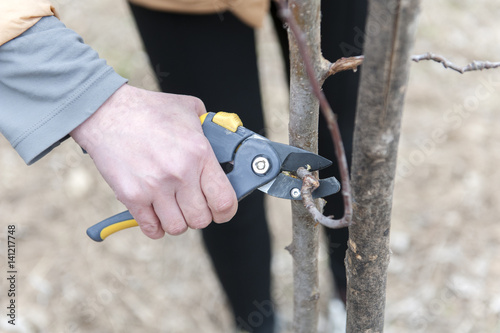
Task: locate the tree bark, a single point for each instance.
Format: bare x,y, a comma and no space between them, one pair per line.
390,34
303,133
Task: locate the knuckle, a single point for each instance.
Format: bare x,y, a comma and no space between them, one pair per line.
131,194
175,228
192,154
151,230
198,103
199,147
200,222
224,208
154,182
192,103
203,146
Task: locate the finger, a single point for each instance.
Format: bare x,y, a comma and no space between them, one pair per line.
218,192
170,215
148,221
193,205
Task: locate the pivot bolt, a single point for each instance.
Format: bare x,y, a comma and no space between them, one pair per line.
260,165
295,193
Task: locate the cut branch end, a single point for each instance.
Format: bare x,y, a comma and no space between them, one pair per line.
343,64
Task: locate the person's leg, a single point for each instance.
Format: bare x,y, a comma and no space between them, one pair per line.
342,33
213,57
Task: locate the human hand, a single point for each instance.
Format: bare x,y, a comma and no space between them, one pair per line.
150,149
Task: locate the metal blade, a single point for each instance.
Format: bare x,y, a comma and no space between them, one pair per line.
292,158
283,185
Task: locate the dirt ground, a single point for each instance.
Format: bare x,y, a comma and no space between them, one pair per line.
444,274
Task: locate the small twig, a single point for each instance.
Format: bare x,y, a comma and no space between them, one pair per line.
344,64
473,66
286,15
309,184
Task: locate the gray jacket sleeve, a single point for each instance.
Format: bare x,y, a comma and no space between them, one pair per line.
50,82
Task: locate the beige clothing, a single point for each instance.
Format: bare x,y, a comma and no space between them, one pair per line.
18,16
252,12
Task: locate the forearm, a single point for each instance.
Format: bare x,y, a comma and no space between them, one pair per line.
50,82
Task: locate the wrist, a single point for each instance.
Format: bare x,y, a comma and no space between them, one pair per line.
89,133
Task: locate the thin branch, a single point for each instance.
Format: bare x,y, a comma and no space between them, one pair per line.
309,184
286,15
473,66
344,64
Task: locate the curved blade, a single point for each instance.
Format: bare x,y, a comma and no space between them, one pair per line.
292,158
283,185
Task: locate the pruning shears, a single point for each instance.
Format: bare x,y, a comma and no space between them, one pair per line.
250,161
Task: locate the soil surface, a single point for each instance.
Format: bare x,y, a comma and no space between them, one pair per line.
444,274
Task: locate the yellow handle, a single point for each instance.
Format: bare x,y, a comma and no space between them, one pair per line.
103,229
117,227
230,121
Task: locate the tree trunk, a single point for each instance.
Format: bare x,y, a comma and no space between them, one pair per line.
303,133
390,34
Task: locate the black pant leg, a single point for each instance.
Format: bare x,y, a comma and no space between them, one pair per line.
213,57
